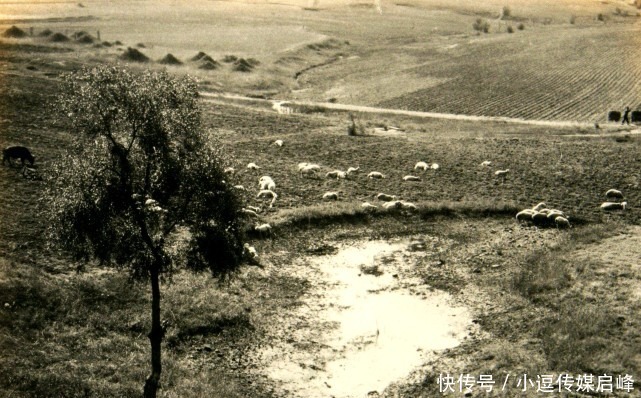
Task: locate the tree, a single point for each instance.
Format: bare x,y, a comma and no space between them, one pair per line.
143,189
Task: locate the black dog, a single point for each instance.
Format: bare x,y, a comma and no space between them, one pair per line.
17,152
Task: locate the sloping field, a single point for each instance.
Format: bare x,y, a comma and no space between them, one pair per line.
559,73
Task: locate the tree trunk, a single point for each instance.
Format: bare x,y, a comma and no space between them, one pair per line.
155,336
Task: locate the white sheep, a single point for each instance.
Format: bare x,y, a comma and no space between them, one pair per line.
421,165
239,187
540,219
614,194
255,209
352,170
609,206
229,170
411,178
525,215
375,174
435,166
408,206
249,212
335,174
539,207
368,206
385,197
268,193
554,214
253,166
278,142
501,173
562,222
395,204
251,253
302,165
486,163
266,182
333,195
308,171
263,228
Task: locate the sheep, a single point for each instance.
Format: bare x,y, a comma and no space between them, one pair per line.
539,207
385,197
408,206
375,174
249,212
255,209
525,215
609,206
614,194
435,166
562,222
266,182
251,253
395,204
421,165
540,219
335,174
501,173
330,195
307,170
554,214
229,170
411,178
352,170
239,187
486,163
253,166
278,143
263,229
368,206
302,165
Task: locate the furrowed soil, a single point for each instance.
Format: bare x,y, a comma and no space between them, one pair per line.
541,301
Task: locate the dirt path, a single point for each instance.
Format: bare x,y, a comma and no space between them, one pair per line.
386,111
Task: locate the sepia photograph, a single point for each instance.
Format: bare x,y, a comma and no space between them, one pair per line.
320,198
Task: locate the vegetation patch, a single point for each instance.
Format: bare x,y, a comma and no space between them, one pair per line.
134,55
15,33
170,59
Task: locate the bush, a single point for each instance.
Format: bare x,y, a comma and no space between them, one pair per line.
521,26
507,12
600,17
481,25
510,29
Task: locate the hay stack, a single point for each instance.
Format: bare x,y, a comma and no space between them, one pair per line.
15,33
169,59
134,55
199,56
58,38
85,39
614,116
242,65
208,64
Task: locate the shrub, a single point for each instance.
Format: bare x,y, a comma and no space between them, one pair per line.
481,25
600,17
14,32
510,29
507,12
521,26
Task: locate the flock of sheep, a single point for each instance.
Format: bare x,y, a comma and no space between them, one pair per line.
541,216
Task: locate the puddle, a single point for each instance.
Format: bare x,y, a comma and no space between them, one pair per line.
364,325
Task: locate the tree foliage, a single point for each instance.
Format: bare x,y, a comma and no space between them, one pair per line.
141,172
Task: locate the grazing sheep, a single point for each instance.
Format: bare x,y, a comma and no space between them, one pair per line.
368,206
540,219
239,187
302,165
268,193
501,173
421,165
609,206
266,182
525,215
486,163
395,204
385,197
554,214
335,174
249,212
330,195
253,166
17,152
562,222
539,207
408,206
150,202
352,170
308,171
411,178
251,253
375,174
254,208
435,166
614,194
263,229
278,142
229,170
